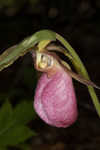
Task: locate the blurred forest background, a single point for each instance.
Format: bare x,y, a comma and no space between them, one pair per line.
79,22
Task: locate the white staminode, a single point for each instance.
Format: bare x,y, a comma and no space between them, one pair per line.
44,61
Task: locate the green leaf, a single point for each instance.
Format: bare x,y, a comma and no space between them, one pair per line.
79,66
12,123
5,115
16,135
24,112
13,53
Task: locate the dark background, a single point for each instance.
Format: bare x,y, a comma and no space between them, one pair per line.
79,22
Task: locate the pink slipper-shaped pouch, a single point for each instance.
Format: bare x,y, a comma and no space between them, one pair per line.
55,100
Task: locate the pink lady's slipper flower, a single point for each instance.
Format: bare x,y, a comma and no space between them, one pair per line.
55,100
